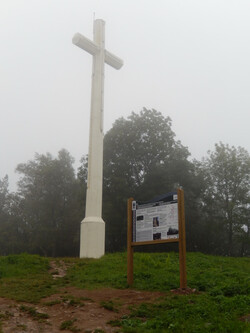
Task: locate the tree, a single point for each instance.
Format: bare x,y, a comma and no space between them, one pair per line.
226,199
135,146
49,204
141,159
11,235
4,184
4,213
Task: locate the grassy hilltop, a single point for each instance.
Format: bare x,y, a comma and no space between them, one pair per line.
219,301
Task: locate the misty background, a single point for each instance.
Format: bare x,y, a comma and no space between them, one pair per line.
187,59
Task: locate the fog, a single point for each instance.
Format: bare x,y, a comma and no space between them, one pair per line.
187,59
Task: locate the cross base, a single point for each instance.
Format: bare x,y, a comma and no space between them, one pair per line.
92,244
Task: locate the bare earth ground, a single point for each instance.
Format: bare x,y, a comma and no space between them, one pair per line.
83,310
88,316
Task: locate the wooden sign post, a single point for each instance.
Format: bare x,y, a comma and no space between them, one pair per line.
180,238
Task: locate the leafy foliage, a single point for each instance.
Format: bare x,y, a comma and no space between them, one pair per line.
11,237
147,141
226,199
48,205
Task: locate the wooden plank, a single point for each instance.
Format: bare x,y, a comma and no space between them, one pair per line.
130,250
160,241
182,239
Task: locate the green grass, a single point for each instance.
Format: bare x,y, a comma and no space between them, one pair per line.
192,313
109,271
222,284
22,265
160,272
26,278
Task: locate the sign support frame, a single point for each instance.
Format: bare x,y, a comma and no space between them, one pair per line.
181,240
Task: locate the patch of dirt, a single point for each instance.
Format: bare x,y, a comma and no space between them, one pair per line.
246,318
83,310
186,291
58,269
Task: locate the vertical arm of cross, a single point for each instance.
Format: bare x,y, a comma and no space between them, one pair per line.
93,227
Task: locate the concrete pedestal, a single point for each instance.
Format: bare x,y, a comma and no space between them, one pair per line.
92,237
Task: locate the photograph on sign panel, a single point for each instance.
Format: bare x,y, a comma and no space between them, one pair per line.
157,236
156,221
172,231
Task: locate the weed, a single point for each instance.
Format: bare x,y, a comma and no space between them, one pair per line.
66,324
86,299
115,323
73,301
34,313
69,325
54,302
22,327
6,315
109,305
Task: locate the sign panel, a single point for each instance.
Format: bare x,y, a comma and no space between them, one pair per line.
156,220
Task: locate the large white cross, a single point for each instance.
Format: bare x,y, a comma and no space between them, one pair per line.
92,238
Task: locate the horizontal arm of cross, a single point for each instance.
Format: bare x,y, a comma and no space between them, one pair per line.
89,46
85,43
113,60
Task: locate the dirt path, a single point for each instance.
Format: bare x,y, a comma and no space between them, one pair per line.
58,269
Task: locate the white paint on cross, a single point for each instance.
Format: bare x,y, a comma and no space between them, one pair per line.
92,238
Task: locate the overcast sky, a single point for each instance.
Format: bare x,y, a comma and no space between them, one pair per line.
188,59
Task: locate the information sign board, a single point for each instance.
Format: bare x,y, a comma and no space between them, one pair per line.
156,220
161,220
